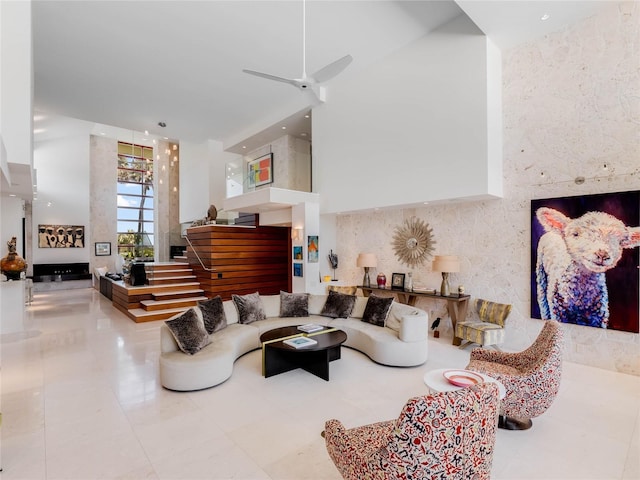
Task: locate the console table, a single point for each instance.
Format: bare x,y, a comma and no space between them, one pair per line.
457,304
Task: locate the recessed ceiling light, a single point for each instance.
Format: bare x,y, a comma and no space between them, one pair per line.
102,133
146,132
303,134
307,116
284,128
12,194
544,17
244,146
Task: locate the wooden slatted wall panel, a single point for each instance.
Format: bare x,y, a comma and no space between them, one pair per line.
245,259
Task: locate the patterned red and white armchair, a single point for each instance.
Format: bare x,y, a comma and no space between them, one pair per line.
448,435
531,377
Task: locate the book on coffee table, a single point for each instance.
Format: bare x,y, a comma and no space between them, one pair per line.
300,342
310,328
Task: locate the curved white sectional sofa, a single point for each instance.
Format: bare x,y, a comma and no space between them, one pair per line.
402,342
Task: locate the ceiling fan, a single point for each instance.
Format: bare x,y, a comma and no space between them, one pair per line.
306,83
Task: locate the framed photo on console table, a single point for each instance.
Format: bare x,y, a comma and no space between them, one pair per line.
397,281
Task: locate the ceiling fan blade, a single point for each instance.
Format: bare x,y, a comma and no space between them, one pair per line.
331,70
271,77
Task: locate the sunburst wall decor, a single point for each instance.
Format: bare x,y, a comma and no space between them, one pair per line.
413,242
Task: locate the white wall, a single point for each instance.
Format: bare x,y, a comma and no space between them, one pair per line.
218,173
413,127
203,178
16,85
63,193
11,215
194,180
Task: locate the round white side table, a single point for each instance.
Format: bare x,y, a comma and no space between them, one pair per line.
434,379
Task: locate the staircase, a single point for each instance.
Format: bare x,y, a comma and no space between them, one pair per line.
172,288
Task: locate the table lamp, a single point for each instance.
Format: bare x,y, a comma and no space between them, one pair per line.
446,264
366,260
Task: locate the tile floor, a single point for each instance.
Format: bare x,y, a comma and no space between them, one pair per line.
81,400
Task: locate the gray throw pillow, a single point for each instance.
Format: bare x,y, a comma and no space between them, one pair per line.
338,305
377,310
213,314
250,308
294,304
189,332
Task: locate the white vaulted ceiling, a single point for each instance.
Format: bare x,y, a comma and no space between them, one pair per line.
133,64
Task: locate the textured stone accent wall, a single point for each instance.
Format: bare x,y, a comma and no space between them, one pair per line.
290,163
166,171
175,237
571,105
102,193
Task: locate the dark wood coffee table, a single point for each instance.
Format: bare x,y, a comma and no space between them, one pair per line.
278,357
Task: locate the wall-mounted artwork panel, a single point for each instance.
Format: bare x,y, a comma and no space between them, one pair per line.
584,260
60,236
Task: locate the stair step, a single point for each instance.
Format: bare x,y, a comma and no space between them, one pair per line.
169,273
155,305
169,280
181,258
140,315
181,294
153,289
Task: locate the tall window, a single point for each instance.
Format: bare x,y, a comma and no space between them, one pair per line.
135,201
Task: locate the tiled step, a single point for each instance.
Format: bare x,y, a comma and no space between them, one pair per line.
170,280
140,315
196,292
155,305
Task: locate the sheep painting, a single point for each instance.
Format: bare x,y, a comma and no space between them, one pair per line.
572,257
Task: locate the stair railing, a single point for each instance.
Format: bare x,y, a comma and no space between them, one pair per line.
186,237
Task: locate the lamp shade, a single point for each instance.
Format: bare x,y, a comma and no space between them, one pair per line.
446,263
367,260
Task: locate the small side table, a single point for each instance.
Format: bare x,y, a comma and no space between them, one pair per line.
434,379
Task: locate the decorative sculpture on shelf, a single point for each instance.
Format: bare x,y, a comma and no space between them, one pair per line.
333,259
210,219
413,242
13,264
212,214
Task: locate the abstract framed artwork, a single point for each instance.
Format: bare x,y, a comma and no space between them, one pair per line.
60,236
312,248
260,171
584,260
297,253
297,270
